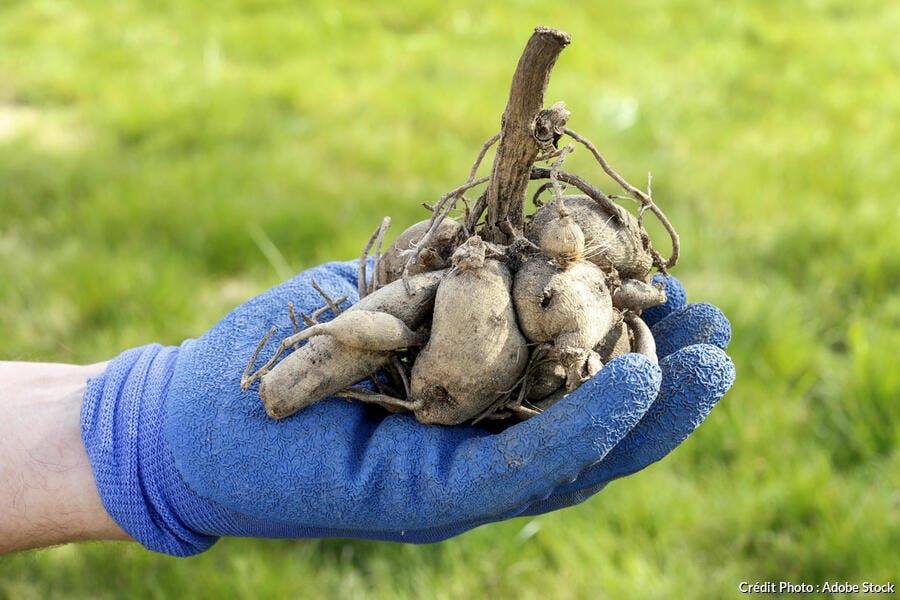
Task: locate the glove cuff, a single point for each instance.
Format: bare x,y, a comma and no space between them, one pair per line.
123,429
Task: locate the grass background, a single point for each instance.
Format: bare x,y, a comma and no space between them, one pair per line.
162,162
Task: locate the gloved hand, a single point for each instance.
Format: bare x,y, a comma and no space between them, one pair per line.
181,456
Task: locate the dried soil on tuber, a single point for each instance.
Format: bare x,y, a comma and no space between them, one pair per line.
483,311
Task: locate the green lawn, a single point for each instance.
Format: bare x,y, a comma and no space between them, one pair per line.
162,162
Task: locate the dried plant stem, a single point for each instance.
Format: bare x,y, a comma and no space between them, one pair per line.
526,129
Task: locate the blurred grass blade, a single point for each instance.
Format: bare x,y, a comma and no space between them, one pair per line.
271,252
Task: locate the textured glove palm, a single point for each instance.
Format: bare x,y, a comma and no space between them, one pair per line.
181,456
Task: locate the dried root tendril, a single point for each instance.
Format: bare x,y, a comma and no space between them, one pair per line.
385,223
645,199
246,378
589,190
554,174
441,210
362,286
364,395
293,340
401,373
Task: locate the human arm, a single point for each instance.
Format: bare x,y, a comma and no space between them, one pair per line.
47,490
181,456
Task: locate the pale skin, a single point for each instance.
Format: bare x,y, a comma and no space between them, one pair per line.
47,490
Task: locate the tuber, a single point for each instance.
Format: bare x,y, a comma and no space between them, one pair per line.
326,365
475,353
482,311
608,244
433,255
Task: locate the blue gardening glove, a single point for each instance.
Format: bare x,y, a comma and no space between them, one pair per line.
696,373
181,456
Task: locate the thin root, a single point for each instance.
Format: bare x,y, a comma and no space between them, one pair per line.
484,148
293,317
643,338
547,156
293,320
503,401
589,190
364,395
644,198
497,405
554,173
385,223
536,199
601,248
330,303
246,378
382,387
440,213
524,412
475,214
361,286
401,371
314,318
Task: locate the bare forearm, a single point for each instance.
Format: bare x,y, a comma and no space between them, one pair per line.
47,491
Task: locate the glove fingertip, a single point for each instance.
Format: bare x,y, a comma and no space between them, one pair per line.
699,323
627,376
526,461
694,379
600,412
676,298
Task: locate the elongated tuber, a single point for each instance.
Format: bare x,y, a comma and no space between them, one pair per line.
324,365
484,312
455,378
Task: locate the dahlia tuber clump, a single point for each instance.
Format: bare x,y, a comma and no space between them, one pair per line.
488,313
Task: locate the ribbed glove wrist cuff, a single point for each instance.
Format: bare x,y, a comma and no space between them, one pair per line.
123,429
